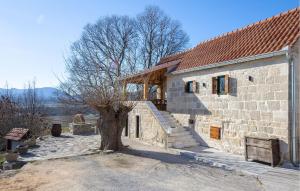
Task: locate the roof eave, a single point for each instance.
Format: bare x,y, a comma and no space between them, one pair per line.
235,61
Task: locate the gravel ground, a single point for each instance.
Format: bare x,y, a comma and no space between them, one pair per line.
133,169
66,145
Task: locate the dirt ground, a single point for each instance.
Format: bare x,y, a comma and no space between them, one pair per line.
129,170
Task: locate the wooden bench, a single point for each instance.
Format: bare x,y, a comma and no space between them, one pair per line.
262,149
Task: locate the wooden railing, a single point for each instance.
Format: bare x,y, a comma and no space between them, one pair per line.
161,104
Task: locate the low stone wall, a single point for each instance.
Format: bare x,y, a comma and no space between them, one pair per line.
153,129
252,108
81,129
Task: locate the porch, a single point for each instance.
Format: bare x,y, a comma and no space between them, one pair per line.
153,80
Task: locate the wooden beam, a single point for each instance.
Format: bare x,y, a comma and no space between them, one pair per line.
146,88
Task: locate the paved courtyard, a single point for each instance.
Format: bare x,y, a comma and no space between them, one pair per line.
50,147
140,167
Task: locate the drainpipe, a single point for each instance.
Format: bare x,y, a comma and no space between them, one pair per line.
293,134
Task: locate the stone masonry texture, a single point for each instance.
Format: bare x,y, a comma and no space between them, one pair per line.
252,108
151,130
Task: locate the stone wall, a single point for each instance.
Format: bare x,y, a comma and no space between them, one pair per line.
258,108
152,126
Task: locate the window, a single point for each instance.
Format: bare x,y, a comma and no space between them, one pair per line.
220,85
215,132
137,127
126,127
191,87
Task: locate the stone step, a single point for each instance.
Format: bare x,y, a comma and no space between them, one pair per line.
180,145
180,136
179,129
180,133
175,126
186,139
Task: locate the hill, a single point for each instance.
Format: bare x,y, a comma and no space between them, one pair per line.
49,94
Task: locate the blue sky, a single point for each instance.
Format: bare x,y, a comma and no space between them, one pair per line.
35,34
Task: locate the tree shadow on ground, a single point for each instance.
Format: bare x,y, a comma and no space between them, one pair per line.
27,155
65,136
161,156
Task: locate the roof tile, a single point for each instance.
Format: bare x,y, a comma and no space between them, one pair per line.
269,35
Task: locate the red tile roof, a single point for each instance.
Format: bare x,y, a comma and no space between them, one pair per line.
170,63
170,58
16,134
272,34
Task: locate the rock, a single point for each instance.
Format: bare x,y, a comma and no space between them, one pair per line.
13,165
79,119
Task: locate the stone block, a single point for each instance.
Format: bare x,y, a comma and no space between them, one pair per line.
270,80
275,88
255,115
252,105
281,95
273,105
268,96
274,72
262,106
284,105
280,116
266,116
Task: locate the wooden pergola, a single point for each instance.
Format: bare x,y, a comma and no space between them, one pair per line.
152,76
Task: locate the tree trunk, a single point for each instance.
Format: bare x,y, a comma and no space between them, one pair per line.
110,129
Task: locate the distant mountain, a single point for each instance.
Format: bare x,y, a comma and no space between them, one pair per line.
49,94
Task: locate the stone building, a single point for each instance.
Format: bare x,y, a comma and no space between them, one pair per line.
242,83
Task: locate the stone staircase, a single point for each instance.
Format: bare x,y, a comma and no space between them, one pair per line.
180,137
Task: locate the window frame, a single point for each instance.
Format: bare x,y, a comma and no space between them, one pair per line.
216,85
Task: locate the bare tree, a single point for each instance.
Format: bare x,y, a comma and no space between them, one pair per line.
159,36
9,114
109,49
23,111
95,64
32,109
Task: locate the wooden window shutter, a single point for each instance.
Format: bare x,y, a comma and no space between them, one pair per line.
215,132
214,85
227,84
195,87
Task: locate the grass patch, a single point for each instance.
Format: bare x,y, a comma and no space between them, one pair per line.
2,158
65,130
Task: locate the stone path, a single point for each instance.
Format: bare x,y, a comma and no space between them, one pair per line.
264,173
66,145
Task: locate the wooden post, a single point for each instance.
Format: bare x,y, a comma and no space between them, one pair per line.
146,88
162,89
159,92
124,90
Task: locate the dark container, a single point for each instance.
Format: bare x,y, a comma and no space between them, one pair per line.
56,130
263,150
